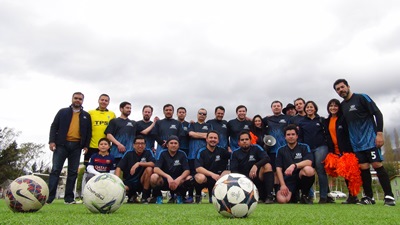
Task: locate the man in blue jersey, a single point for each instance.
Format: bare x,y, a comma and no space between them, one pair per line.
137,167
299,104
365,124
294,169
253,162
211,163
121,131
236,126
221,126
184,135
171,171
145,126
197,132
166,127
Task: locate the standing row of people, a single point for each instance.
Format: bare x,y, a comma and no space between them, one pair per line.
73,126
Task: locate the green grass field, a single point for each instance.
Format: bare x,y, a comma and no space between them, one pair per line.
190,214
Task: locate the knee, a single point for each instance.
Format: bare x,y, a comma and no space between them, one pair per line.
308,171
267,167
200,178
376,165
148,171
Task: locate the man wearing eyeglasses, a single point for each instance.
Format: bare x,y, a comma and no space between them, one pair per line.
70,133
137,167
197,133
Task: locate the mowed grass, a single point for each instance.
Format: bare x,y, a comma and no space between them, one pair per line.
190,214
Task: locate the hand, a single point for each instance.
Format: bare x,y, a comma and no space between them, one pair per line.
134,167
85,150
121,148
173,184
253,172
284,190
52,146
164,145
156,119
215,176
379,141
289,170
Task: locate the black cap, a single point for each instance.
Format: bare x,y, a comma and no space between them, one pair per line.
172,137
288,106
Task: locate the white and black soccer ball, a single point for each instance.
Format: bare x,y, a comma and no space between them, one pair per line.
235,195
27,194
104,193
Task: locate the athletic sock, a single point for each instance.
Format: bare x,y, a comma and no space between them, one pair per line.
306,183
268,183
367,182
146,194
384,180
198,187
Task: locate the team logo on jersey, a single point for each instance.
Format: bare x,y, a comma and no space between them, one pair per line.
251,158
185,128
177,163
318,124
204,128
353,108
298,156
173,126
282,121
129,124
340,127
223,126
217,158
143,159
246,127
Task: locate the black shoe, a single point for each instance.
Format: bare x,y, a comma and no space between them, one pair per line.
198,199
152,200
366,201
133,199
323,201
389,201
330,200
351,200
305,200
144,201
269,201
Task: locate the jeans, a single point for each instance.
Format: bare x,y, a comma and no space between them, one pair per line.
72,152
320,154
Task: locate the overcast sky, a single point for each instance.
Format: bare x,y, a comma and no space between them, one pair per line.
193,54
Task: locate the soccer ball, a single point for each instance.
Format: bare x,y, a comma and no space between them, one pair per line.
235,195
104,193
27,194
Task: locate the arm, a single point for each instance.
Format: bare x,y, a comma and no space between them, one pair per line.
208,173
300,165
379,141
284,189
198,135
142,164
117,172
148,129
91,169
121,147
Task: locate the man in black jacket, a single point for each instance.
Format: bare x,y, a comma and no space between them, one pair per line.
70,132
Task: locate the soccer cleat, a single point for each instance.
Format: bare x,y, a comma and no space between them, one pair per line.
323,201
159,200
144,201
330,200
70,203
269,201
153,200
305,200
389,201
179,200
188,200
198,199
351,200
366,201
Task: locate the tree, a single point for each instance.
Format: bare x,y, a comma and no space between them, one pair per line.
396,139
389,156
14,160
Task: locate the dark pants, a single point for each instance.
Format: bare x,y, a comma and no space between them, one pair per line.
72,152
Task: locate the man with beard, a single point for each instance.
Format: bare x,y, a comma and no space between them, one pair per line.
166,127
145,126
70,132
121,132
221,126
236,126
184,135
211,164
253,162
365,124
299,106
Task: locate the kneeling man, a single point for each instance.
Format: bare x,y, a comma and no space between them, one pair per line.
253,162
137,167
171,171
294,169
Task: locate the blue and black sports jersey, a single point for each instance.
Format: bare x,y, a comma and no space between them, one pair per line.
196,143
221,126
102,164
359,112
295,119
287,156
129,159
215,161
142,125
163,129
313,131
124,130
275,127
234,128
242,161
172,165
184,137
